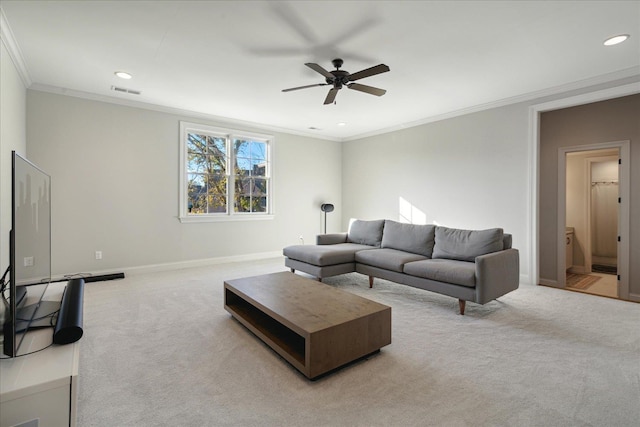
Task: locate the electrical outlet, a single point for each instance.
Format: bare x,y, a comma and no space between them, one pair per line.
98,254
28,261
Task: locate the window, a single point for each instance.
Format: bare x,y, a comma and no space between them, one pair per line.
224,174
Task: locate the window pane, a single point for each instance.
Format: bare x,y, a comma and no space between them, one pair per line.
259,195
217,193
196,143
216,164
259,150
251,195
243,167
217,146
259,187
196,194
217,204
241,148
258,167
197,163
242,202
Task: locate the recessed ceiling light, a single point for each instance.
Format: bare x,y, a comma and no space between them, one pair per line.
342,124
123,75
616,39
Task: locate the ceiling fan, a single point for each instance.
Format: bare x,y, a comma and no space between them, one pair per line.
338,78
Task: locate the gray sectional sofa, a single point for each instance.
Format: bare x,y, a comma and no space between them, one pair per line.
471,265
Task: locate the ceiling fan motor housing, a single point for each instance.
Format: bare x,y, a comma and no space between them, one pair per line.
340,78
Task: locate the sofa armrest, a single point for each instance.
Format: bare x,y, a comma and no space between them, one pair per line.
331,239
497,273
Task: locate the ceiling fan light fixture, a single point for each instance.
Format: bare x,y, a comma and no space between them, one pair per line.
616,39
123,75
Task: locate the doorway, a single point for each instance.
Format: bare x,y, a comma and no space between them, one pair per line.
593,204
592,221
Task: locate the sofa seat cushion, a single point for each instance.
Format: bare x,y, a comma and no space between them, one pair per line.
466,245
444,270
414,238
322,255
389,259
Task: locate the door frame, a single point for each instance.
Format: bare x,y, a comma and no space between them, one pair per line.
624,181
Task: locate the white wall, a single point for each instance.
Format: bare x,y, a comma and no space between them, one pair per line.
12,137
114,176
467,172
604,171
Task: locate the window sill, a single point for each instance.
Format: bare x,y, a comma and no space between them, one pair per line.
224,218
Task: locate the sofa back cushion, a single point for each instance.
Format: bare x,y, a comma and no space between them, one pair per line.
506,241
466,245
366,232
414,238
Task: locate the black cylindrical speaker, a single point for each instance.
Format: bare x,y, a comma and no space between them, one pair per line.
326,207
69,325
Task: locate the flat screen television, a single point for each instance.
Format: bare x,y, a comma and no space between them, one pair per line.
29,271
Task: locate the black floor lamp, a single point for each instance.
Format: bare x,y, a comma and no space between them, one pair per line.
326,207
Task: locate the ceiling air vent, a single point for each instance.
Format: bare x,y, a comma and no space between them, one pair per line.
125,90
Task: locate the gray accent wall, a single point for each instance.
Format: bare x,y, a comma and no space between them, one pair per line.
114,172
606,121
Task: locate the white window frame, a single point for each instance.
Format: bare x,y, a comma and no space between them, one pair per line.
229,134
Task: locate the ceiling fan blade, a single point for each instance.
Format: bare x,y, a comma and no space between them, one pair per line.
331,96
304,87
380,68
367,89
317,68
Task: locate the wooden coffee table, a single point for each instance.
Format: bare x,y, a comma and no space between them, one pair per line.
315,327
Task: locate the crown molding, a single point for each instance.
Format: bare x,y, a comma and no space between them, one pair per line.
554,91
9,41
222,121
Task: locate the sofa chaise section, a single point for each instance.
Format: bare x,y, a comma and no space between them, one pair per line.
334,254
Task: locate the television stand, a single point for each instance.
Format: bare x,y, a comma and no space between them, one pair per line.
41,386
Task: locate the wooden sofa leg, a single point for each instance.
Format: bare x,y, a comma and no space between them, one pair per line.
371,281
320,279
293,270
462,304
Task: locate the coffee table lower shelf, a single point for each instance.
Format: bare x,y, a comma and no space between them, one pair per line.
313,326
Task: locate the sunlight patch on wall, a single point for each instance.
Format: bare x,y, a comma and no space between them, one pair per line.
408,213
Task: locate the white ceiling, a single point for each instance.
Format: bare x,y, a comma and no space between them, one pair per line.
231,59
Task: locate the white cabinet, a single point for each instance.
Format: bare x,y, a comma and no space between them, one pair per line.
40,389
41,386
569,248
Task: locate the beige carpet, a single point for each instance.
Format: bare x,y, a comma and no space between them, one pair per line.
160,350
580,281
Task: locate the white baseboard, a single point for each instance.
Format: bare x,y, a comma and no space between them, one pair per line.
526,279
547,282
154,268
